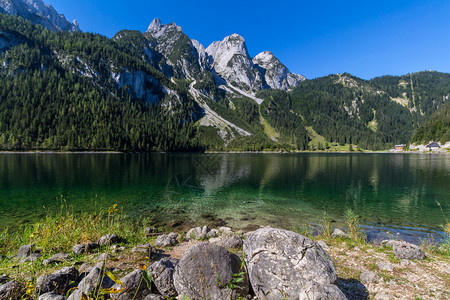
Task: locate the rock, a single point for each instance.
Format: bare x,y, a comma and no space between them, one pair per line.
12,290
323,245
315,291
79,249
104,257
55,259
386,267
32,258
195,233
205,230
25,251
338,233
213,233
82,248
162,276
228,241
368,277
58,282
279,259
404,250
51,296
154,297
382,296
108,239
147,248
4,278
95,280
136,287
204,272
225,231
167,240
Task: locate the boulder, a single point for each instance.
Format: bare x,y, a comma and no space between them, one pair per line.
195,234
31,258
25,251
228,241
82,248
225,231
162,276
404,250
323,245
149,230
281,261
167,240
108,239
315,291
205,271
368,277
386,267
104,257
51,296
146,248
136,287
213,233
12,290
338,233
58,282
57,258
95,280
154,297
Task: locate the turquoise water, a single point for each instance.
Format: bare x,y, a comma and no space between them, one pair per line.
391,192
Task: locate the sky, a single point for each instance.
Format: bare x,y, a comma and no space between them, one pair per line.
315,38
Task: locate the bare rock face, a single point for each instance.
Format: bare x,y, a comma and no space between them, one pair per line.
205,271
285,263
276,75
57,282
39,13
136,287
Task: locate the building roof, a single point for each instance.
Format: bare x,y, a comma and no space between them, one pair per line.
433,145
400,145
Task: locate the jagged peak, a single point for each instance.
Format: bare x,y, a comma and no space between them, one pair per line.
265,56
235,37
155,25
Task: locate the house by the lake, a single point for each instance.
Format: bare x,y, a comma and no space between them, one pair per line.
399,147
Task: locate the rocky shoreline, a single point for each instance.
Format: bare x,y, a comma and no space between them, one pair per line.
206,263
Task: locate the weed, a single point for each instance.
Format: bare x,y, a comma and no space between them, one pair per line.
326,225
352,221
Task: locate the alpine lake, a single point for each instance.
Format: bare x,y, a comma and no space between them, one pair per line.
395,195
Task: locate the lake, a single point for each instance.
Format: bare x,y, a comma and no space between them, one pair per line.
395,194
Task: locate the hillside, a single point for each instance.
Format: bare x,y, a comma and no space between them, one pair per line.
436,128
161,91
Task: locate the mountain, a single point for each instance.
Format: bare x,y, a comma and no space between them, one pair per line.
39,13
435,129
160,90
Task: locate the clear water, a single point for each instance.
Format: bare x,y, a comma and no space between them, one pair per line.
391,192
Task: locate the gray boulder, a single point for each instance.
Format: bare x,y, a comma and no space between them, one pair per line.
196,234
104,257
58,282
338,233
386,267
82,248
57,258
162,276
12,290
205,271
167,240
94,281
145,248
281,261
31,258
136,287
213,233
368,277
51,296
315,291
228,241
108,239
404,250
154,297
25,251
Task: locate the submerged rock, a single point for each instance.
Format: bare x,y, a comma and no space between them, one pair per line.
205,271
285,262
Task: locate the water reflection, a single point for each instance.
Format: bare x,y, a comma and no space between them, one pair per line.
268,189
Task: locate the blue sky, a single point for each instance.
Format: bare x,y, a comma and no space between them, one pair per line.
313,38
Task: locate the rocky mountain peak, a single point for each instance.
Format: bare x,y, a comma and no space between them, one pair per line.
155,26
39,13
